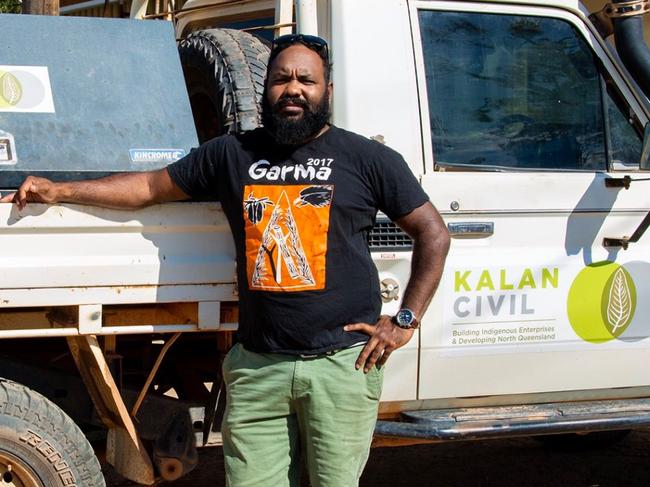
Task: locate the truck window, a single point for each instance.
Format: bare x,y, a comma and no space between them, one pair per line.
518,92
624,142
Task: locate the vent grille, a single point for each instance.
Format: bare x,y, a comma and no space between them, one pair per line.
386,235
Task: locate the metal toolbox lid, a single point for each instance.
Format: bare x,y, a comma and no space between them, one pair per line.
82,97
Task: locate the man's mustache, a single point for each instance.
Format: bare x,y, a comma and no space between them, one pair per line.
290,100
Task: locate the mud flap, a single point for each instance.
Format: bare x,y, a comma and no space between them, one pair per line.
124,449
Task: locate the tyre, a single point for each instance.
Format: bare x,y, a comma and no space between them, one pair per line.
40,446
224,72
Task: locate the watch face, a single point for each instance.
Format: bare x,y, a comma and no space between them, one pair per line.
404,317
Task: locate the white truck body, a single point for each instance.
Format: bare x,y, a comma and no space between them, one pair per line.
547,223
71,255
532,307
550,221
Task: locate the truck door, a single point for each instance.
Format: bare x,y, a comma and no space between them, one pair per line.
526,114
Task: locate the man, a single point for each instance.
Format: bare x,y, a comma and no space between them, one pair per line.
300,195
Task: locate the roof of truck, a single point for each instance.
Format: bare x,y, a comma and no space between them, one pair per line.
547,3
191,12
566,4
575,5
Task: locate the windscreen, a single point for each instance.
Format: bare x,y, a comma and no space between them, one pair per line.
83,97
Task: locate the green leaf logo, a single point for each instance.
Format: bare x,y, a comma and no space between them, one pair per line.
601,302
10,89
619,302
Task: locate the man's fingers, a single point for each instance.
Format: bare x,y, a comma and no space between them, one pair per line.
383,358
20,198
365,353
22,195
9,198
374,356
362,327
385,338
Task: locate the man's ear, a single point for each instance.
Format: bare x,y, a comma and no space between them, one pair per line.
330,91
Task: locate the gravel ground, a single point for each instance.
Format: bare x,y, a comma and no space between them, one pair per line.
516,462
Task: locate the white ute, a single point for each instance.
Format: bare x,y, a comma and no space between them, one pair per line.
528,132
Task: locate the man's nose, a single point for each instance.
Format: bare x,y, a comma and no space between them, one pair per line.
293,88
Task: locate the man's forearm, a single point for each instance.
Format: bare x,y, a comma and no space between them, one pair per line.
431,244
429,254
120,191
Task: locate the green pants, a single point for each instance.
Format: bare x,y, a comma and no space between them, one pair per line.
282,409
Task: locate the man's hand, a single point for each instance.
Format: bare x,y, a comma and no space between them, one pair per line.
385,337
33,189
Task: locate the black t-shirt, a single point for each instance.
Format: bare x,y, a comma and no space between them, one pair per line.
300,218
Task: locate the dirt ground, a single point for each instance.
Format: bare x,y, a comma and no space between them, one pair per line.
515,462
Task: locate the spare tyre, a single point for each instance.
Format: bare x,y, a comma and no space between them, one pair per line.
224,72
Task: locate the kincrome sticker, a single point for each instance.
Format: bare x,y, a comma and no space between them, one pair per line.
25,89
7,149
155,155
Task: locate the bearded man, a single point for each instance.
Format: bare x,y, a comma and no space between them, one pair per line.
301,195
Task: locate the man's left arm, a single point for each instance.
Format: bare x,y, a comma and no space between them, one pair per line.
430,246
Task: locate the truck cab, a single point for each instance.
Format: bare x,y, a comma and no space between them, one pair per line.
522,124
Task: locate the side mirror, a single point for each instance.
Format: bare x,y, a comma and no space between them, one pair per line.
644,163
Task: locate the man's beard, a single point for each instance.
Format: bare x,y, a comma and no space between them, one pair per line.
287,131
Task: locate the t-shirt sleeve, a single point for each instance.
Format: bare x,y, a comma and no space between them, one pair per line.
197,173
397,191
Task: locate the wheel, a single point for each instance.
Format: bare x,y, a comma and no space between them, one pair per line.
40,446
224,72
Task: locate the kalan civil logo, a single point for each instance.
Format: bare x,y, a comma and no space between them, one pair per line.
602,301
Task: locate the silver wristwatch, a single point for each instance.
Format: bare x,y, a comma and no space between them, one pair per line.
405,318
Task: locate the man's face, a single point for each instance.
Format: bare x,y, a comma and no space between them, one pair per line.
296,106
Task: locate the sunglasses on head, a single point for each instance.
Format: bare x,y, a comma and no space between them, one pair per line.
314,43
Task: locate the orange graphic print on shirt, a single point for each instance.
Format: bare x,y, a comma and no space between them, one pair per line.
286,236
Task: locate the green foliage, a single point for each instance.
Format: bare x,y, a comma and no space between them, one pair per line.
10,6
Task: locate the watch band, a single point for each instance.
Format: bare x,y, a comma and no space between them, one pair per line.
415,324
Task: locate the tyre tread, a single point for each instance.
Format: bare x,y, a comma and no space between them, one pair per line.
237,61
50,419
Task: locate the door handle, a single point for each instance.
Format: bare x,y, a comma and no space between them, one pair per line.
471,229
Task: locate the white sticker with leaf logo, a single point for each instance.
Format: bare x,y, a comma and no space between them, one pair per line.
25,89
